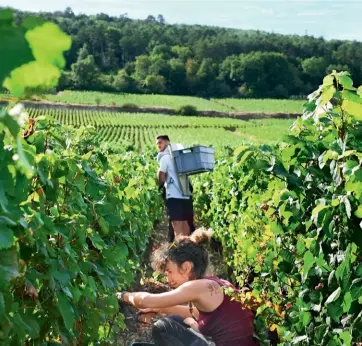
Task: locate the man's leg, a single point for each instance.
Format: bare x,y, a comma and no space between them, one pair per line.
171,232
179,319
190,215
181,228
176,212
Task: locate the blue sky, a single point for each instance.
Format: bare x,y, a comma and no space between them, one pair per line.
328,18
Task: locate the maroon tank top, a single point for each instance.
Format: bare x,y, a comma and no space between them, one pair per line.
229,324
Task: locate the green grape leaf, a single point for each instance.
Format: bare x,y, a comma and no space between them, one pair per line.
320,332
327,95
97,240
19,325
76,294
328,80
334,296
11,124
33,325
54,211
103,224
358,212
111,304
353,108
2,306
65,310
6,238
359,270
359,91
347,302
48,44
352,104
335,310
122,249
22,159
305,317
356,289
14,48
346,337
3,199
106,281
9,263
355,187
32,75
308,263
300,246
130,192
62,276
343,272
345,80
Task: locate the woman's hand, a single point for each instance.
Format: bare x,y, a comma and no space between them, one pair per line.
146,315
192,323
121,297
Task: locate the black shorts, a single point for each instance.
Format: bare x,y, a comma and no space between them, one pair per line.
179,209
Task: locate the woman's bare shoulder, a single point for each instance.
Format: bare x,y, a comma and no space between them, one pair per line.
204,286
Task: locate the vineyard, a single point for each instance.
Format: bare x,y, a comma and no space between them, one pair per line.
175,102
74,219
76,215
289,220
140,130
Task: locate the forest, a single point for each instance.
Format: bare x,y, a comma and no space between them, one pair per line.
119,54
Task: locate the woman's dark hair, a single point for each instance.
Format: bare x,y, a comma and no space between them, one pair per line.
188,249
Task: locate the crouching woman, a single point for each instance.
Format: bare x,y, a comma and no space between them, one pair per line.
204,314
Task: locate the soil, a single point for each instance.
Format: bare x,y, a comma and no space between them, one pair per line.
137,329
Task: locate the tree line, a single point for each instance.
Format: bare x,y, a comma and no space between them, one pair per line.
120,54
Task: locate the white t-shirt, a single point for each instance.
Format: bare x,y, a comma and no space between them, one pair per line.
173,189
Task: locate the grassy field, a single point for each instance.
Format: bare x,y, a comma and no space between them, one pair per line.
174,102
168,101
140,130
4,96
262,105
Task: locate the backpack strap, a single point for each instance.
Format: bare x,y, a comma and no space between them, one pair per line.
187,192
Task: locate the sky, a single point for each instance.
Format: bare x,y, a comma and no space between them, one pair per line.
331,19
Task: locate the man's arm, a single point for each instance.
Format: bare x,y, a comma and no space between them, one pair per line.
162,178
162,172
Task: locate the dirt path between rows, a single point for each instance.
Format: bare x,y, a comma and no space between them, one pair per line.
136,329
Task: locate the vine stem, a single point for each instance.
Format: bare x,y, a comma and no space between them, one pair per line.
111,325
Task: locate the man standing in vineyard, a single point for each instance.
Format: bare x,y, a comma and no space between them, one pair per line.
179,207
